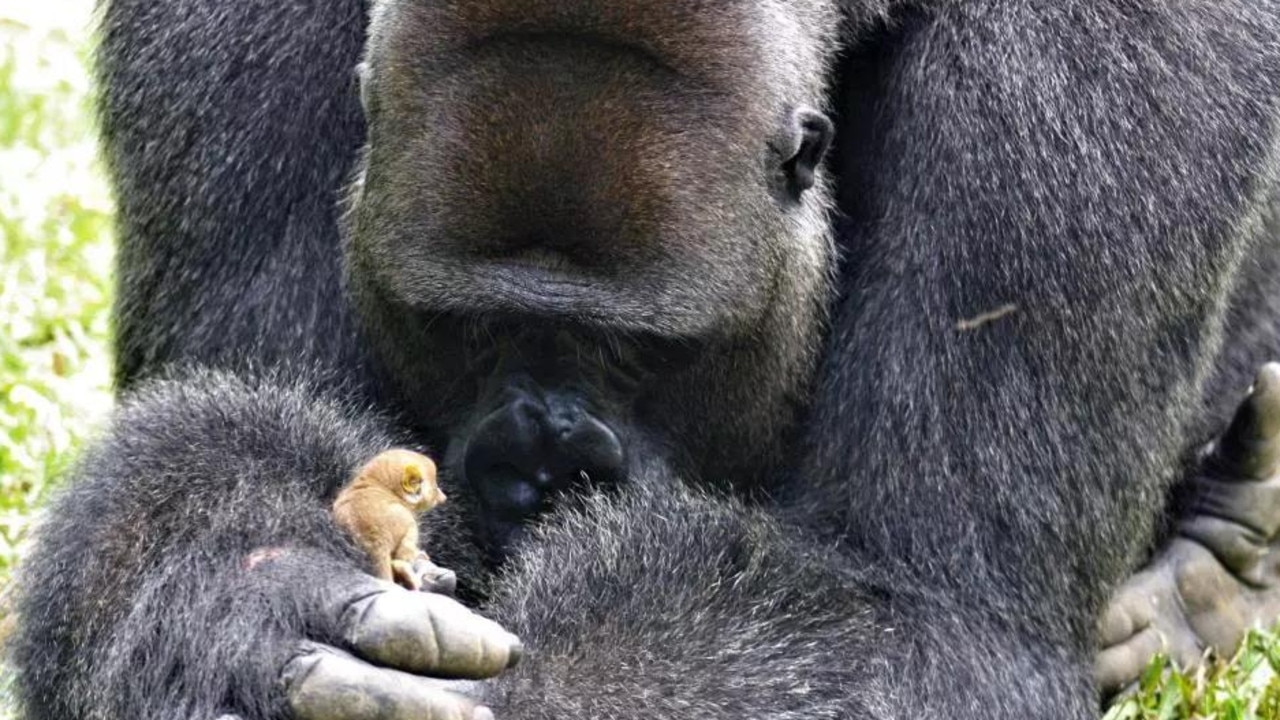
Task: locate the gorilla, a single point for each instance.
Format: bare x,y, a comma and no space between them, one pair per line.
785,358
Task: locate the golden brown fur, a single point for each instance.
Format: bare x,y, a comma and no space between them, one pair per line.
379,508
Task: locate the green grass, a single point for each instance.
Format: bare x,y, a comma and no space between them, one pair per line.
1246,688
55,261
55,221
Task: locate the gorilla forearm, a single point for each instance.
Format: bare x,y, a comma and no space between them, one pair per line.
1048,433
938,658
243,210
137,599
684,605
692,606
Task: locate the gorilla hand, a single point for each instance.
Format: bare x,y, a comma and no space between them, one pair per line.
1219,576
398,650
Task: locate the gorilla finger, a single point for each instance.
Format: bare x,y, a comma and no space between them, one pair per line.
1253,504
1121,665
1250,449
323,683
434,578
444,582
428,634
1130,611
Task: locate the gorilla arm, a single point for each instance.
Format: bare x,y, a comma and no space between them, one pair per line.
1085,179
659,603
686,605
656,602
194,569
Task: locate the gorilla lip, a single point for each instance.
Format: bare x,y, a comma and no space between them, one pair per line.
534,285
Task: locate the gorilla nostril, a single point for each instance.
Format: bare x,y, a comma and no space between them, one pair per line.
533,446
564,420
598,448
526,418
506,489
523,497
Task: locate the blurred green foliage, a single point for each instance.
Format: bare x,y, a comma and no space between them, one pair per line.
1246,688
55,262
55,222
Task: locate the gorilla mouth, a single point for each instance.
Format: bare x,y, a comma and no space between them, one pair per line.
536,269
543,286
540,286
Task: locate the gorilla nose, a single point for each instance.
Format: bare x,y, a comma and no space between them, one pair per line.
533,447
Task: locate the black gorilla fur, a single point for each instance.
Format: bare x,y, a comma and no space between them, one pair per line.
961,498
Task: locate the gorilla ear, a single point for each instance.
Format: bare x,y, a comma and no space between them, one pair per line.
807,136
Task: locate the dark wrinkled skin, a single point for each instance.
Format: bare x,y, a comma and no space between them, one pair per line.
1217,577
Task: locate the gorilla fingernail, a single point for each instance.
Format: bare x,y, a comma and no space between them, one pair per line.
515,653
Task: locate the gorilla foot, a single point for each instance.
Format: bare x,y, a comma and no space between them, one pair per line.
535,445
1220,575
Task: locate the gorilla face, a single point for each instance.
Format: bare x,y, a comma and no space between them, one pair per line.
577,228
604,165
